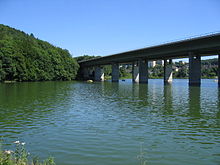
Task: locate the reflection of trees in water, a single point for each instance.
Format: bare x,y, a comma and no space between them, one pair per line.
194,101
26,102
110,89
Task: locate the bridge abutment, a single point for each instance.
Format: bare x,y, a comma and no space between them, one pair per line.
115,72
85,73
194,69
168,71
99,74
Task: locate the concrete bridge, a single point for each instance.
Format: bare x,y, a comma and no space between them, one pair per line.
192,48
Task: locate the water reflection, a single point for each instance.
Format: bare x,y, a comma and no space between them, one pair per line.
194,101
143,95
114,86
135,91
104,123
25,105
143,91
218,105
168,99
140,94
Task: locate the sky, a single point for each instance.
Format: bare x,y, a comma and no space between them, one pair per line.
105,27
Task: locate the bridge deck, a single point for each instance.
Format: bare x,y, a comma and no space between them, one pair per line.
203,46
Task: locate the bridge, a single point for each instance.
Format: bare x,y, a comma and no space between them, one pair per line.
193,48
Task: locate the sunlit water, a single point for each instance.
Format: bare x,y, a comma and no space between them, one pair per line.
108,123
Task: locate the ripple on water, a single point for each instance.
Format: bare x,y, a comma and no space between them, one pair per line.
110,123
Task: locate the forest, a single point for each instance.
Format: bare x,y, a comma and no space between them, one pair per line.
26,58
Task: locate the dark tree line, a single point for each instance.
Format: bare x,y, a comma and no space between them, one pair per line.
209,69
26,58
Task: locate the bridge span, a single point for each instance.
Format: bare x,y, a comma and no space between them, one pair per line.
192,48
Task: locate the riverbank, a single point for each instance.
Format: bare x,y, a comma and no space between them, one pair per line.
130,77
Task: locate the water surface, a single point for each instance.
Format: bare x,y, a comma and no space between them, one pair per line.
108,123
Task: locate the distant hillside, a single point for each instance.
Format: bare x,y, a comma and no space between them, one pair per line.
213,61
26,58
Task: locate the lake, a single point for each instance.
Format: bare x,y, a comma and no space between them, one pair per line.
108,123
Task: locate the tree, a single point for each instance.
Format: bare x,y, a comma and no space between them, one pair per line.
25,58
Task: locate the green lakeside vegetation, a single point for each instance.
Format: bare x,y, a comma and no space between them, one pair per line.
209,70
26,58
20,156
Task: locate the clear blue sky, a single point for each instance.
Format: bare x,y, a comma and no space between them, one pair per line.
104,27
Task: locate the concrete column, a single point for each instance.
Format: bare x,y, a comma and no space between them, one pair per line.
219,70
140,71
115,72
99,74
135,72
168,71
143,71
194,69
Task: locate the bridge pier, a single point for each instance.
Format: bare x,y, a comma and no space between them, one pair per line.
115,72
135,72
99,74
140,71
143,71
168,71
194,69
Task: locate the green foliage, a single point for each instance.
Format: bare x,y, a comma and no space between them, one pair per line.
209,72
156,71
107,70
21,157
85,57
182,72
25,58
125,71
209,69
210,62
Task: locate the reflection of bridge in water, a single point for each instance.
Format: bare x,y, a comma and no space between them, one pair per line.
165,99
192,48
